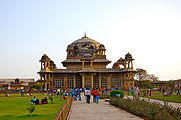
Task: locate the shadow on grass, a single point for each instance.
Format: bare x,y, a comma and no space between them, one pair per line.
28,116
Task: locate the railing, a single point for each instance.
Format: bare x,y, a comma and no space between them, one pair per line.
64,111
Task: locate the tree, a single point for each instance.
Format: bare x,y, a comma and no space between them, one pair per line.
170,84
152,77
145,84
35,86
141,74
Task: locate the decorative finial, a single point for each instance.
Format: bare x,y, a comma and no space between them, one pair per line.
85,34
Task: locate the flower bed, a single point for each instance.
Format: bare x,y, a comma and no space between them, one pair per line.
151,111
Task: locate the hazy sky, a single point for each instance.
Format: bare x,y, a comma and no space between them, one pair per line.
149,29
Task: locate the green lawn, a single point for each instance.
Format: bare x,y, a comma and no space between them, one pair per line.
15,108
159,96
176,99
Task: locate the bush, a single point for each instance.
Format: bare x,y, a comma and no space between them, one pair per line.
149,110
104,96
114,93
31,109
51,98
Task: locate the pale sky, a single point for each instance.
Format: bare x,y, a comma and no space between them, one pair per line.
149,29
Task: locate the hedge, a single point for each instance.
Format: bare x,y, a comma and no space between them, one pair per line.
149,110
114,93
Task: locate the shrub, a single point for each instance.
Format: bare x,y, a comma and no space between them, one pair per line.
151,111
104,96
31,109
51,98
115,92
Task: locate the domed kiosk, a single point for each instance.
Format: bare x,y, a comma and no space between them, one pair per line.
86,68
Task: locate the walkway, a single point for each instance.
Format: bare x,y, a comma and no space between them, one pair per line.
102,111
176,105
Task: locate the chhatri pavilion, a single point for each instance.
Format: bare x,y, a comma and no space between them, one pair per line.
85,67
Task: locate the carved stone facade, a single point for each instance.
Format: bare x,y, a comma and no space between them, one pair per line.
86,68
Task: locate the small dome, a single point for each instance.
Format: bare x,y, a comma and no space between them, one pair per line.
101,47
121,60
45,58
128,56
115,66
70,47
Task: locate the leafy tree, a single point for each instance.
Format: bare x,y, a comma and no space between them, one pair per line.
35,86
141,74
145,84
170,84
152,77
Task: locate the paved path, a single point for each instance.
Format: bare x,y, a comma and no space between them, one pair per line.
102,111
176,105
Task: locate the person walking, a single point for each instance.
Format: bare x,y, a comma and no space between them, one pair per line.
94,95
75,95
136,89
79,94
149,93
97,93
87,93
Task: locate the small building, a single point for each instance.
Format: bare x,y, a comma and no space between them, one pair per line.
159,84
177,83
16,84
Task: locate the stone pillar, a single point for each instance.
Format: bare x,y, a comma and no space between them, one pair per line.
91,63
129,64
74,81
45,65
49,86
46,86
52,84
109,82
40,76
83,64
133,84
124,76
122,84
83,80
49,76
133,76
41,65
126,86
129,84
132,64
99,80
92,78
45,76
65,82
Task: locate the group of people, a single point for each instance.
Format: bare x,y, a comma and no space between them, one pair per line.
76,94
37,102
136,91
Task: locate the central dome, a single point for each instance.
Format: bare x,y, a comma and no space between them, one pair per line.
83,46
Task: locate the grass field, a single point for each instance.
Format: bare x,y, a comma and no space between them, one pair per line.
159,96
15,108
